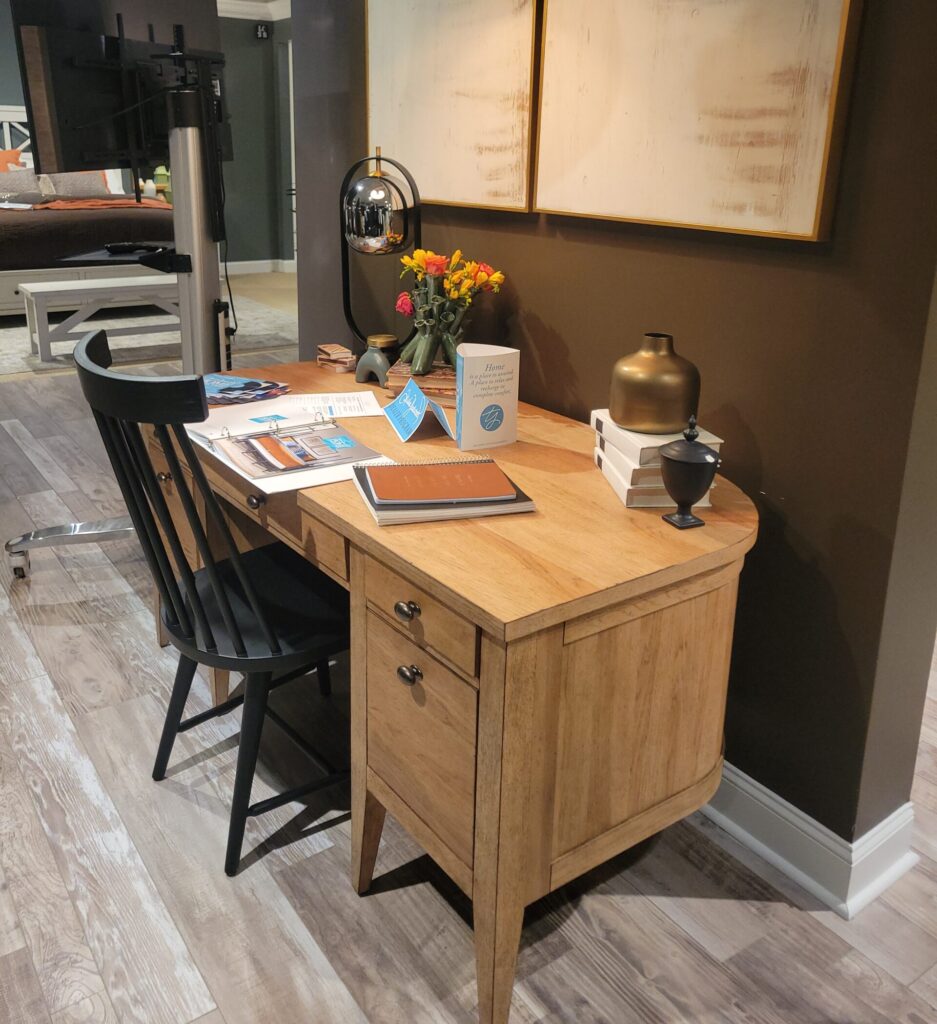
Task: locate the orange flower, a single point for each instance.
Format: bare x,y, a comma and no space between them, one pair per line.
436,266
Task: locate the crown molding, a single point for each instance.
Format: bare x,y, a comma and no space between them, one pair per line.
254,10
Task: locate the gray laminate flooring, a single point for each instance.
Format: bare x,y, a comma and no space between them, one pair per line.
114,906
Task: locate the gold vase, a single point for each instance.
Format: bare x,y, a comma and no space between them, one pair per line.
654,391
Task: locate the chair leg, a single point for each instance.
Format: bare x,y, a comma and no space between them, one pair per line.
185,672
256,687
324,675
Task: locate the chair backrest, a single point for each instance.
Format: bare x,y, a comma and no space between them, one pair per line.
121,403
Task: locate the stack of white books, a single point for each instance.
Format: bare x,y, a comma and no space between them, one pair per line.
631,461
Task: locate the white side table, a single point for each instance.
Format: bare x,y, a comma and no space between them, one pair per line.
88,297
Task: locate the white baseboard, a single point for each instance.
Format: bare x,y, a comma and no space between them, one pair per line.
262,267
845,876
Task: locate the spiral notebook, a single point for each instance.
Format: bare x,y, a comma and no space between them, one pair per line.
436,483
427,492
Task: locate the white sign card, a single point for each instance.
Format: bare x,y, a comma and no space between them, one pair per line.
487,378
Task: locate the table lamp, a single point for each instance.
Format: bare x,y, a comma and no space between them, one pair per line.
380,215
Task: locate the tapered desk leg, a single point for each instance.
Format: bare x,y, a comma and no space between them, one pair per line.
498,924
367,814
367,826
220,680
518,700
497,902
162,637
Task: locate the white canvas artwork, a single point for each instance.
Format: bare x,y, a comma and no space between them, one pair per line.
449,96
701,113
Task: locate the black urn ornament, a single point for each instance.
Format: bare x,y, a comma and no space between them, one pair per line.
688,467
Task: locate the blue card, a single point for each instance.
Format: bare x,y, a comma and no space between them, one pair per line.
407,410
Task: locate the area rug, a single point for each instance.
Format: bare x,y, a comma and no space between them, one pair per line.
260,327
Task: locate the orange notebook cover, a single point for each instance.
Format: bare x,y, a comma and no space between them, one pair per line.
436,483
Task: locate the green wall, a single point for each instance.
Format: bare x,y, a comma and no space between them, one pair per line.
253,180
11,91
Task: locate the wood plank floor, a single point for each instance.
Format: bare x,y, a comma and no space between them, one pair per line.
114,906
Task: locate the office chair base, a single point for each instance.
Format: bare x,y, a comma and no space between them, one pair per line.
18,548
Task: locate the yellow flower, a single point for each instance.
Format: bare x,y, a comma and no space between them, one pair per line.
416,263
456,256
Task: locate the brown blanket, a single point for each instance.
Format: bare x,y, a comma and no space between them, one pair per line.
103,204
40,238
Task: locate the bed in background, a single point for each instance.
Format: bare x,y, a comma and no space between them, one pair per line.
33,240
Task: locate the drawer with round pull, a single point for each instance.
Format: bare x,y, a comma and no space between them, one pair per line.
278,513
170,492
425,619
422,721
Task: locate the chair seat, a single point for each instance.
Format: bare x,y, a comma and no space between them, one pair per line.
307,612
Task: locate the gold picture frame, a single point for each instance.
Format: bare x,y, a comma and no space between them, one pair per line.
769,88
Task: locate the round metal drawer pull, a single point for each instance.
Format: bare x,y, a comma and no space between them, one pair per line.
406,611
410,675
254,501
164,478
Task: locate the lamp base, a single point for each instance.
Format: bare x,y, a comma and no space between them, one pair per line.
683,520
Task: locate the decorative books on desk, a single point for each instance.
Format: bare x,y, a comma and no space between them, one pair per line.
630,461
439,384
336,358
432,491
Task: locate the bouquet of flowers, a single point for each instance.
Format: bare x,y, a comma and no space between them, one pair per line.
444,288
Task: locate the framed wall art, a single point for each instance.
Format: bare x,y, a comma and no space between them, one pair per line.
717,114
450,93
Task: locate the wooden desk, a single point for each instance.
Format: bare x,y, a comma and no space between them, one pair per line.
574,667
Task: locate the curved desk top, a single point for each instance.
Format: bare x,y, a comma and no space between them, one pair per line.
580,552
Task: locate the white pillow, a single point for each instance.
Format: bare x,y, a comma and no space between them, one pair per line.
20,182
115,182
73,185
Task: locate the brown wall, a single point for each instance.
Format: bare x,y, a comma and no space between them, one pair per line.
810,355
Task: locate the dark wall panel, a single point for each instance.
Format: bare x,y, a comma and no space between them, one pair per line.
810,356
328,84
251,179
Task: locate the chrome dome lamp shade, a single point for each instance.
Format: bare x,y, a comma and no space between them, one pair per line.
380,216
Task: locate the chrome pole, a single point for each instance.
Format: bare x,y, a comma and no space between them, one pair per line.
200,289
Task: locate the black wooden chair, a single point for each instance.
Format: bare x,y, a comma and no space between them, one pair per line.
268,613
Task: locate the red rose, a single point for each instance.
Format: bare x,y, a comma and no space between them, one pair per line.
404,304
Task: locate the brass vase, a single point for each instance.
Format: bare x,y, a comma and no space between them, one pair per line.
654,391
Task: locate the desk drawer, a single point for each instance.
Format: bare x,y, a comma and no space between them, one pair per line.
277,512
174,504
421,737
430,622
324,547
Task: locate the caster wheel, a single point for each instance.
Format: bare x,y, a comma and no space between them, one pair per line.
19,562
